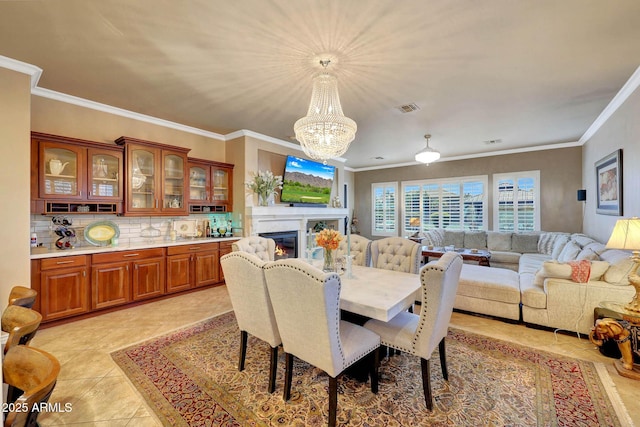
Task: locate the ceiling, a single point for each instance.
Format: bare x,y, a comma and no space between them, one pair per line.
529,73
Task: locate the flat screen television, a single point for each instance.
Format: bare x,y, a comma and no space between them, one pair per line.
306,182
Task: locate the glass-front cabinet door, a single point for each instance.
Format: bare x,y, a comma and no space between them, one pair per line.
142,172
61,171
174,182
105,176
199,183
221,189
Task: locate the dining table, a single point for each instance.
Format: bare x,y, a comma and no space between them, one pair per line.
377,293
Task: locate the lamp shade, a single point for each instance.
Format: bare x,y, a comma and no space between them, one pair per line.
625,234
428,155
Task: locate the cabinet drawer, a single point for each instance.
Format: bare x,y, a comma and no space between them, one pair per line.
196,247
127,255
63,262
227,244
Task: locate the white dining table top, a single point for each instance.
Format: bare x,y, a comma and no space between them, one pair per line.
377,293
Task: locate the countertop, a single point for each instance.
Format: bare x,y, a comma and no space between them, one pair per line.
40,253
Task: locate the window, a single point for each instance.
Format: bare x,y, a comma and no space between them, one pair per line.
455,203
516,201
384,211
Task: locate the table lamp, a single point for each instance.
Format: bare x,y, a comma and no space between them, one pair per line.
626,235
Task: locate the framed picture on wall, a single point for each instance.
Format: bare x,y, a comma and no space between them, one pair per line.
609,184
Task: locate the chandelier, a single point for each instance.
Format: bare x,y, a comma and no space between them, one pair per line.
428,155
325,132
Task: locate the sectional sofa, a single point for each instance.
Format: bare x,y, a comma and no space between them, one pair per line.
550,279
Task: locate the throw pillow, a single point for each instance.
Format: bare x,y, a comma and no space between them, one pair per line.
588,253
455,238
559,270
524,242
498,241
580,271
617,273
598,268
569,252
475,239
558,246
545,243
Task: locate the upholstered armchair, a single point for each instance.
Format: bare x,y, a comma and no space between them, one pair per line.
306,303
360,249
420,334
396,253
244,276
261,247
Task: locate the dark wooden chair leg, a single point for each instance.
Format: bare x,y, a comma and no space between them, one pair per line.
243,349
288,375
333,400
443,360
426,383
375,364
273,366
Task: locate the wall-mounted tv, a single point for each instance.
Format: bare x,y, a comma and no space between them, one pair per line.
306,181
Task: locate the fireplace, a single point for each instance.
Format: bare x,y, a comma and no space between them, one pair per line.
286,243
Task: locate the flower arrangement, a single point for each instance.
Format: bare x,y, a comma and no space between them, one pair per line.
264,184
328,239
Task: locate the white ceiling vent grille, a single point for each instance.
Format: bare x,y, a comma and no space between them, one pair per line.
493,141
408,108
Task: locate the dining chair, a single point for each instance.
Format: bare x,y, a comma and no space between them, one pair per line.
22,296
262,247
21,324
32,373
419,335
306,302
360,249
244,276
396,253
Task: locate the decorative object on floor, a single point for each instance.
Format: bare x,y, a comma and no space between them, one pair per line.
325,133
619,331
265,184
189,378
609,184
329,239
428,155
626,235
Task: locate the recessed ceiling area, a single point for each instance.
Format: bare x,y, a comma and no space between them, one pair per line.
529,73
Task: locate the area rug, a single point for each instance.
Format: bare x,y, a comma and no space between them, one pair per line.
190,378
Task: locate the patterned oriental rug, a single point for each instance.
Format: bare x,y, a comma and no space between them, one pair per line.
190,378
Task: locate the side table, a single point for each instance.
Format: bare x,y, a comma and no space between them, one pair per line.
629,320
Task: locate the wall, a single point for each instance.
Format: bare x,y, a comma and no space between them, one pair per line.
560,176
15,268
621,130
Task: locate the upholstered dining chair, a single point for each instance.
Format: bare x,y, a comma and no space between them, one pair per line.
360,249
244,276
31,375
396,253
22,296
419,335
306,304
21,324
262,247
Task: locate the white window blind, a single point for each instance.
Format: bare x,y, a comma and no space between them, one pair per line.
517,201
385,209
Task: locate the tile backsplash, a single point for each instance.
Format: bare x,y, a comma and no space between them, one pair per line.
130,227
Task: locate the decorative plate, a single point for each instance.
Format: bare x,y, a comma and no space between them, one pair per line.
185,228
100,233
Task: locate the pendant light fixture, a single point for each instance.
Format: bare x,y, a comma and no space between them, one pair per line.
325,133
428,155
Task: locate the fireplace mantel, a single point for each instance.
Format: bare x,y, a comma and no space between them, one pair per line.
268,219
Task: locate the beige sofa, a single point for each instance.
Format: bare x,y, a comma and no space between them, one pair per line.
530,278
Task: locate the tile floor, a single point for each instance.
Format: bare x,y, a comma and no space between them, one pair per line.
101,395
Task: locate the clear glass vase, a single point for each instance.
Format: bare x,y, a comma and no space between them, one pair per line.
263,200
329,265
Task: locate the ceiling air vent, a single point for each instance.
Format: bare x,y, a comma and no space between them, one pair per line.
493,141
408,108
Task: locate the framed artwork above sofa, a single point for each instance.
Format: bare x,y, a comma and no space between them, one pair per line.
609,184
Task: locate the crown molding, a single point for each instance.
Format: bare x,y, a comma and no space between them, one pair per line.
629,87
22,67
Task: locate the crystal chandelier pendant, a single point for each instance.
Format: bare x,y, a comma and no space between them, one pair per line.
325,132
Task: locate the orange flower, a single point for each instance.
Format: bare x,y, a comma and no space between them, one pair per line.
328,238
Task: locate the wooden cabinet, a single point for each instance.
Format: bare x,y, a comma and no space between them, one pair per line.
121,277
155,177
62,288
210,186
75,176
225,248
192,266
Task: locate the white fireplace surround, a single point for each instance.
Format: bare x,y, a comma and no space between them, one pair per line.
269,219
